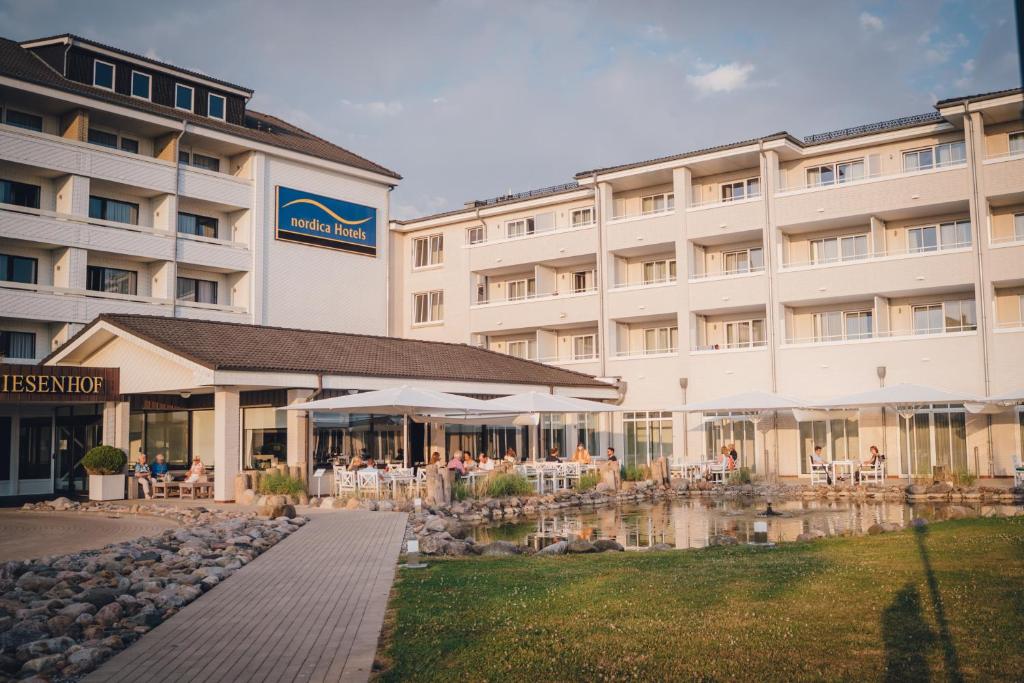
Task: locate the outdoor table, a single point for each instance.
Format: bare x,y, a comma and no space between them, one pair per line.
195,489
472,477
836,465
163,489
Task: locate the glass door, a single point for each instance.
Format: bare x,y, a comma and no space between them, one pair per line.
75,436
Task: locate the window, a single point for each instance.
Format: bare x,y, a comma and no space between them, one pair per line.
744,334
583,281
129,145
19,194
112,210
1017,142
730,430
475,235
581,217
839,440
934,437
18,344
858,324
24,120
102,138
103,74
428,307
584,347
839,172
516,290
663,270
19,269
199,161
519,348
743,261
647,437
35,448
661,339
112,280
428,251
183,97
519,228
264,436
839,325
833,249
198,291
657,203
216,106
741,189
192,224
948,235
949,316
935,157
142,85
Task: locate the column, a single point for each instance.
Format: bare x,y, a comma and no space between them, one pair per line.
226,442
298,424
116,434
70,266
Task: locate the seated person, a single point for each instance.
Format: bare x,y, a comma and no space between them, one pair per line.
196,473
611,455
456,464
581,454
468,462
142,474
485,464
160,469
553,455
510,455
356,464
872,461
370,464
817,459
435,458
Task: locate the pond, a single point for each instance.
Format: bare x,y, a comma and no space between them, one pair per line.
689,523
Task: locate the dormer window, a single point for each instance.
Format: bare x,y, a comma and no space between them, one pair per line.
183,96
141,85
215,107
103,74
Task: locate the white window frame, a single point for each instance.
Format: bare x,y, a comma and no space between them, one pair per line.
149,86
582,210
665,331
1018,227
431,299
589,274
844,325
518,343
528,284
478,230
870,315
668,199
940,244
528,228
209,98
585,356
667,267
943,306
1018,136
434,256
751,342
834,168
819,258
113,75
747,253
191,99
934,150
744,185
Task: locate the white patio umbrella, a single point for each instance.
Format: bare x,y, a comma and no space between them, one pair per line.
751,401
1014,396
898,395
403,400
534,402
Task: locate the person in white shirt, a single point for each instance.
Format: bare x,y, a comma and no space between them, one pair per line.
484,463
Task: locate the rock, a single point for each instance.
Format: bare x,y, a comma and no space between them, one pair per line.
940,488
287,511
85,659
432,545
247,497
918,523
917,489
385,506
605,544
350,504
41,665
148,617
883,528
109,614
722,539
34,583
435,524
558,548
326,502
658,547
960,512
62,625
500,549
456,548
98,597
812,535
61,503
271,510
48,646
580,546
20,633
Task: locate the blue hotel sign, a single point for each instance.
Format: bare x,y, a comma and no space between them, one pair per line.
324,222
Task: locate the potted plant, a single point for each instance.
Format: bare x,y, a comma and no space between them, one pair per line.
105,465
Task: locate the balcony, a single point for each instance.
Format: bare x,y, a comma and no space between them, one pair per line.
564,242
588,366
876,273
932,191
1003,174
721,218
1006,369
656,227
540,310
65,230
213,253
215,312
214,187
633,300
47,303
728,290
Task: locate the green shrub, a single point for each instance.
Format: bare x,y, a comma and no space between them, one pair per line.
281,484
589,481
105,460
632,473
509,485
740,476
460,490
965,478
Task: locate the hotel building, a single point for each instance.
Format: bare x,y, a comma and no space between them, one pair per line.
882,254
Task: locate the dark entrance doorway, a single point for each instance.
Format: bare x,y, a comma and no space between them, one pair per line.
417,442
75,436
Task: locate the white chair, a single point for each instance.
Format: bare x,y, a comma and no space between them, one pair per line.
344,481
820,473
1018,472
572,473
717,470
873,473
368,481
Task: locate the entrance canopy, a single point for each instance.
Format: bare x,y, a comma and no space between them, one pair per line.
751,401
897,395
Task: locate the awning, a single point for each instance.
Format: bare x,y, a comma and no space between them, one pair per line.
537,402
898,395
403,400
751,401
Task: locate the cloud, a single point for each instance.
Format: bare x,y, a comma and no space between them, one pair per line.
967,70
654,32
376,108
724,78
871,23
941,51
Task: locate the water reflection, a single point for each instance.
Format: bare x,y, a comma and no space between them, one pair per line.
690,523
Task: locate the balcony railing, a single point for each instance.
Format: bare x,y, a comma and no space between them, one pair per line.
877,255
114,296
534,297
1010,325
735,272
890,334
711,203
1006,240
530,235
640,353
644,214
729,346
869,178
1005,156
657,282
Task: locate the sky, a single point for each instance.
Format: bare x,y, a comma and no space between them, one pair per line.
469,99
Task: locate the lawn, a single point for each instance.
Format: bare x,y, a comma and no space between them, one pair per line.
945,603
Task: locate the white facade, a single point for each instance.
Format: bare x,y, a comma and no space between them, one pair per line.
806,268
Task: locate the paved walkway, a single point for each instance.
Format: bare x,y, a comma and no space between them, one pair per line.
30,535
309,609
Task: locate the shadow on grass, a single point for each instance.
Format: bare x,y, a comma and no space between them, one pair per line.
908,638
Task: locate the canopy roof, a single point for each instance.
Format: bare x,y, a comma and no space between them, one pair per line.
898,394
403,400
751,400
538,402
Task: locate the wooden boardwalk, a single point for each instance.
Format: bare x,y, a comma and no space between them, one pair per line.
309,609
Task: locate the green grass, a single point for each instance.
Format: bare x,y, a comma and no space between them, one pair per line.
503,485
588,481
282,484
631,473
947,604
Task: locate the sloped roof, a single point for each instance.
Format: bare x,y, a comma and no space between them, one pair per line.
21,64
258,348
